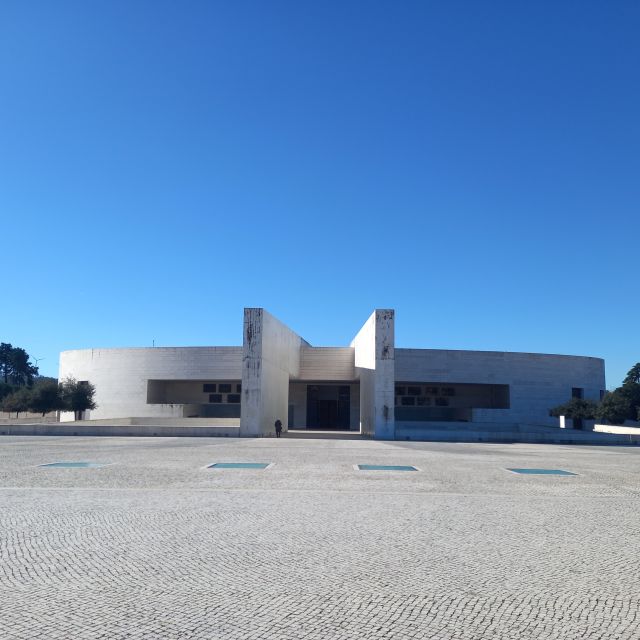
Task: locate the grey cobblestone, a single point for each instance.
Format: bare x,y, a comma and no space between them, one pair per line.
156,546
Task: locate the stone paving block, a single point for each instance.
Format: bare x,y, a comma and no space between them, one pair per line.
156,546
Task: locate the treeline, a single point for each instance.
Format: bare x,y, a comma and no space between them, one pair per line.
22,389
615,407
49,395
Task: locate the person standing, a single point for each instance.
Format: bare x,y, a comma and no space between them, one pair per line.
278,428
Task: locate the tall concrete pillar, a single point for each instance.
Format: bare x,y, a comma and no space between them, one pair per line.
374,348
270,358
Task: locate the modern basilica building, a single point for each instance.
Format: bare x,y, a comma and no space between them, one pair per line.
370,386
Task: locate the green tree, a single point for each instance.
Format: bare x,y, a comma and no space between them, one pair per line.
577,409
17,401
615,408
15,367
23,372
633,376
45,396
5,361
5,390
77,396
630,390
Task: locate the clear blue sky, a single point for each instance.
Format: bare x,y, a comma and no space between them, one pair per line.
474,165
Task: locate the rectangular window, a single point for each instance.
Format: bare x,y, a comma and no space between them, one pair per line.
400,391
577,392
238,388
413,391
423,402
432,391
448,391
408,401
233,398
442,402
209,388
224,388
215,397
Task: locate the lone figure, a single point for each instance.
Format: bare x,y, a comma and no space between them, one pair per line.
278,428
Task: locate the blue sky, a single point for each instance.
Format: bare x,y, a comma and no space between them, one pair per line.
474,165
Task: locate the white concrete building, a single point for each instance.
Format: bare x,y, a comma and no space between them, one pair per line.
370,385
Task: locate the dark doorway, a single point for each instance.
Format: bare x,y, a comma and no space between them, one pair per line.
328,406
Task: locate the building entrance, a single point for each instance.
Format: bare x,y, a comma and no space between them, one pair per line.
328,406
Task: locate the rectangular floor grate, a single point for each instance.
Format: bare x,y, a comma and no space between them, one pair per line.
239,465
385,467
74,465
544,472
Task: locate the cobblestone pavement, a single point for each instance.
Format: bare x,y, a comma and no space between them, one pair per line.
157,546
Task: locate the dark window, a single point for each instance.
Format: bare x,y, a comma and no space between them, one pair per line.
84,383
423,402
413,391
233,398
442,402
432,391
215,397
238,388
209,388
400,391
448,391
224,388
577,392
408,401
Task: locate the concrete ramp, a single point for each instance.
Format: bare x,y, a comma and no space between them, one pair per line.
507,433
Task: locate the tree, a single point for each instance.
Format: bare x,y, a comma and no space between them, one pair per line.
630,390
77,396
15,367
44,397
577,409
615,408
17,401
5,361
5,390
23,372
633,376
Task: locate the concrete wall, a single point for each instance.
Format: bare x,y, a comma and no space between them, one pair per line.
131,428
375,364
610,428
332,364
537,382
121,375
270,357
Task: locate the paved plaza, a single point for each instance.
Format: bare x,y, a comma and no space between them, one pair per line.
155,545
